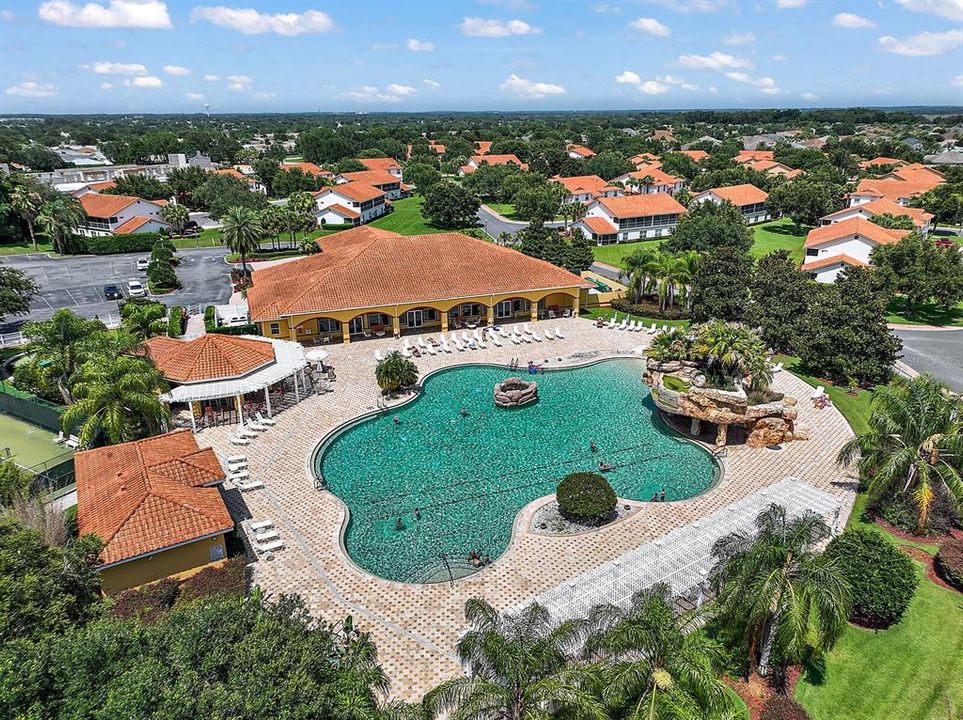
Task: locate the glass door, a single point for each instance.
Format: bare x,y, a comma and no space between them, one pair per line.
356,326
414,318
503,309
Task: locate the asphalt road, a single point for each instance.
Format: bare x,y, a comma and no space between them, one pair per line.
939,352
494,225
78,282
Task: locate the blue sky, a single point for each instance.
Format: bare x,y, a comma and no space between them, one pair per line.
288,55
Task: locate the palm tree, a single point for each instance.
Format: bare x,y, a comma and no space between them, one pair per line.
518,669
64,343
638,278
146,321
775,590
117,397
274,223
242,232
26,203
914,444
59,218
176,215
733,349
652,668
395,371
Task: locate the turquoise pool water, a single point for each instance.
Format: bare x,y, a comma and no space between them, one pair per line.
468,476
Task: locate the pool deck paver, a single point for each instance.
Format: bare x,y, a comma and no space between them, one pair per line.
416,627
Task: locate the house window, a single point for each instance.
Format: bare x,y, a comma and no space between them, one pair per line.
327,325
812,252
217,552
275,328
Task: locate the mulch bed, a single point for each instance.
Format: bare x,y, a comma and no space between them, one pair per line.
927,560
903,535
756,691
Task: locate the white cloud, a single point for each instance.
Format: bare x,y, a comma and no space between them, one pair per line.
150,14
740,38
713,89
809,97
783,4
924,44
111,68
263,95
670,80
607,9
651,26
852,21
627,77
689,86
31,89
713,61
766,84
694,6
949,9
107,86
370,93
396,89
212,78
528,88
176,70
147,81
779,58
194,96
431,84
482,27
958,80
651,87
238,82
420,45
7,16
252,22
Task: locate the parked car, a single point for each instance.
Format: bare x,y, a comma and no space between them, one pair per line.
135,288
112,292
142,264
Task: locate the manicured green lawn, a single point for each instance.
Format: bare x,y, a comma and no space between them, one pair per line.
929,314
407,218
911,671
211,237
616,253
24,247
855,408
28,443
505,209
778,235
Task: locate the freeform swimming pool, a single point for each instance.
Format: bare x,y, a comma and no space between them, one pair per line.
457,481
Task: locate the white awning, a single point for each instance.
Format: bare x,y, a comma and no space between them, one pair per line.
289,358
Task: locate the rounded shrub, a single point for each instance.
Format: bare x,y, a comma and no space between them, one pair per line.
780,707
949,562
585,497
882,577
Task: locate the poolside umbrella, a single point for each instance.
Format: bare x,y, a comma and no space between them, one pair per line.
316,355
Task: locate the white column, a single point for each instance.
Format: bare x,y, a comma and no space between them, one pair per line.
297,395
267,399
240,409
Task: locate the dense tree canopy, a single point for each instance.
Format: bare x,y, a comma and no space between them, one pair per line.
720,286
449,205
708,225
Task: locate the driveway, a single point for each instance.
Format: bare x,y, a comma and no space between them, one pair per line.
78,282
939,352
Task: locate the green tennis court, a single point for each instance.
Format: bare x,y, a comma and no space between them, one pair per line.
28,444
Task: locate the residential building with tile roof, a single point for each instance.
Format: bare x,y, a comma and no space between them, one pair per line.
848,243
868,210
384,181
900,185
579,152
385,164
747,197
696,155
367,281
745,156
630,217
309,168
110,214
337,204
583,188
155,505
656,181
476,161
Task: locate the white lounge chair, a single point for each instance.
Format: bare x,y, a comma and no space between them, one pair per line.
548,334
515,338
652,329
238,474
259,427
665,328
377,356
406,352
445,346
245,486
639,326
237,459
261,524
265,420
267,535
269,547
818,393
61,438
567,312
430,348
558,333
776,368
624,324
239,441
457,343
612,320
466,338
526,328
234,467
478,338
493,336
535,336
73,442
246,432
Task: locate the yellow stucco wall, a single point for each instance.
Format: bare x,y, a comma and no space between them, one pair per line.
169,562
303,328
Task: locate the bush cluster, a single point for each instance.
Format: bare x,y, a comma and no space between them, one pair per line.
175,322
949,562
780,707
228,579
210,325
648,309
585,497
148,602
901,512
882,577
111,244
160,272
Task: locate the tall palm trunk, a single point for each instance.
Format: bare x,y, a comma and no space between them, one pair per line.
33,238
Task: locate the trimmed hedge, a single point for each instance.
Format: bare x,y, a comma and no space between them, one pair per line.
209,318
175,322
161,275
648,309
780,707
585,497
882,578
210,325
949,562
112,244
146,603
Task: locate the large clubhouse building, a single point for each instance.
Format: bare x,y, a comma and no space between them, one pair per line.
370,282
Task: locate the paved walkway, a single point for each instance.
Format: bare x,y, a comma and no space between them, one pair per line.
416,626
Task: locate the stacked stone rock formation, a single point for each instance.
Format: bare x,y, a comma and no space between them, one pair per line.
515,392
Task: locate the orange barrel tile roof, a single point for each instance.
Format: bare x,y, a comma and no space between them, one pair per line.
357,191
642,205
854,226
143,496
369,267
833,260
208,357
746,194
102,206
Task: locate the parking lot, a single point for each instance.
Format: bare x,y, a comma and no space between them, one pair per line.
78,283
